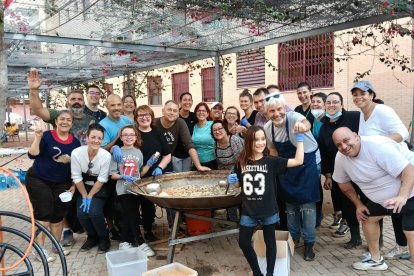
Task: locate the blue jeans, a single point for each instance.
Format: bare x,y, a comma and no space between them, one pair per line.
94,222
253,222
305,213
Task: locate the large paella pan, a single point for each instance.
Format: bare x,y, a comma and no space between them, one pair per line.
189,190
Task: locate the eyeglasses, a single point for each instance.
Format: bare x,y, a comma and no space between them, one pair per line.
129,135
93,93
333,103
90,166
142,116
201,111
218,129
231,114
275,96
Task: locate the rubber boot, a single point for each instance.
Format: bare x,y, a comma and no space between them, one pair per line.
355,237
309,254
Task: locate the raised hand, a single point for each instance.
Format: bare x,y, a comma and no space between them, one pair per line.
39,128
33,79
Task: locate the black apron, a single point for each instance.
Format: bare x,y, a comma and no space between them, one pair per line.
299,184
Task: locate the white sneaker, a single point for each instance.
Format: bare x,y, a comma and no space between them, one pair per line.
397,253
124,246
48,257
147,250
370,264
64,250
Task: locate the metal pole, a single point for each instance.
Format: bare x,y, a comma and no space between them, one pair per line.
8,110
47,103
25,118
412,121
217,76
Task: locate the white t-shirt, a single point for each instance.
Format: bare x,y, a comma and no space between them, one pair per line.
80,163
376,169
383,121
309,142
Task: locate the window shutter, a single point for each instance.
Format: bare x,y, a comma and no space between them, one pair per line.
180,84
251,68
309,59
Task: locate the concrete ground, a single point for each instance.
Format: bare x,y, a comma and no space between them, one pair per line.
216,256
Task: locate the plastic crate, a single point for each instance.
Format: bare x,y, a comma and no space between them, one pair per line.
130,262
173,269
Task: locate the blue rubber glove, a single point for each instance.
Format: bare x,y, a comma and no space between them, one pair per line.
244,122
88,204
128,178
157,171
232,179
83,205
117,154
299,137
153,159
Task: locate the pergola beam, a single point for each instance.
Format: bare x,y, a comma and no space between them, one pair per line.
104,44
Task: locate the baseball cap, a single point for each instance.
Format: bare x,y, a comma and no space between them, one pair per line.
216,103
363,85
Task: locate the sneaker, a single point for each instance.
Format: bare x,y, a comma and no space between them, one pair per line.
49,258
342,231
89,243
337,218
370,264
65,251
147,250
124,246
150,237
67,239
104,246
397,253
365,256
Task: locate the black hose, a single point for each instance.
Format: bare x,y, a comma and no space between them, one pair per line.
35,245
55,243
20,253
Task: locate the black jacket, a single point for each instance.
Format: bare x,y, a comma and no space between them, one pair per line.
349,119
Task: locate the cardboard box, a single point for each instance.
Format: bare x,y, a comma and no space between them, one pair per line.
285,250
173,269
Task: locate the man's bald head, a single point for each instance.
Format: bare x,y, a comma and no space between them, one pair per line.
347,142
114,106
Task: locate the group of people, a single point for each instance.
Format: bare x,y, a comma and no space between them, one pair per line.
276,155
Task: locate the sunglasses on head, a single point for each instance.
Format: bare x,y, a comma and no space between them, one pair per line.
275,96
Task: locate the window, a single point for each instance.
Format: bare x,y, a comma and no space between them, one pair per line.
154,85
109,88
310,59
251,68
208,84
180,84
128,89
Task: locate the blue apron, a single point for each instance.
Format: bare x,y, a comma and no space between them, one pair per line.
299,184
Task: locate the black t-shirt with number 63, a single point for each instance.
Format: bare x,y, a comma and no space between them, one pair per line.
258,182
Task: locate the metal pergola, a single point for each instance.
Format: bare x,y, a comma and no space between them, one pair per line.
76,41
